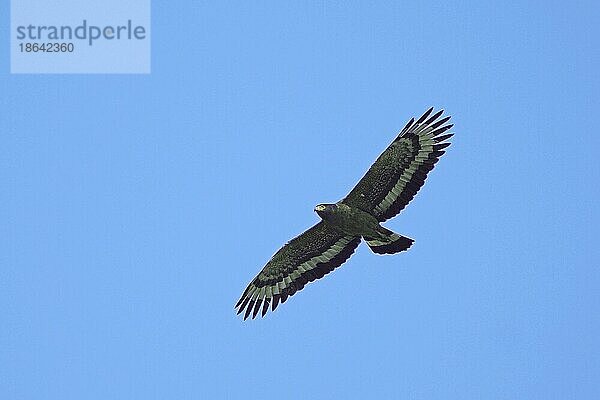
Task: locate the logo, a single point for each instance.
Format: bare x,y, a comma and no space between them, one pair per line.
80,36
85,32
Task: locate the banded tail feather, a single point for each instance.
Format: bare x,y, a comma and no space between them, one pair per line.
388,242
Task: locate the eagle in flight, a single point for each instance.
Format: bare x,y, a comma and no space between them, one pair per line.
387,187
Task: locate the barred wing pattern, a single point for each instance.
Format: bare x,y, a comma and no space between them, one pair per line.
400,171
310,256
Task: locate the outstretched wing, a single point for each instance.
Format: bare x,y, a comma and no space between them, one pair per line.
303,259
400,171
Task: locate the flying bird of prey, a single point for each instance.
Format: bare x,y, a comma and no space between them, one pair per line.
387,187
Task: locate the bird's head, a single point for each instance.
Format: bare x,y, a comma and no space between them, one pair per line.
324,209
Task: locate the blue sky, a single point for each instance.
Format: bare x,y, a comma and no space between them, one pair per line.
135,208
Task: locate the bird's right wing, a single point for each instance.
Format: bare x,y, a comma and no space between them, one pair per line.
400,171
310,256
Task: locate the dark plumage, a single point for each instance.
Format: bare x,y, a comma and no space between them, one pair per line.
387,187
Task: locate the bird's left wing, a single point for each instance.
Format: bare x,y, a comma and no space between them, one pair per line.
310,256
400,171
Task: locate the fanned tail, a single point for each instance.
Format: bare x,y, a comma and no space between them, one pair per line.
388,242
